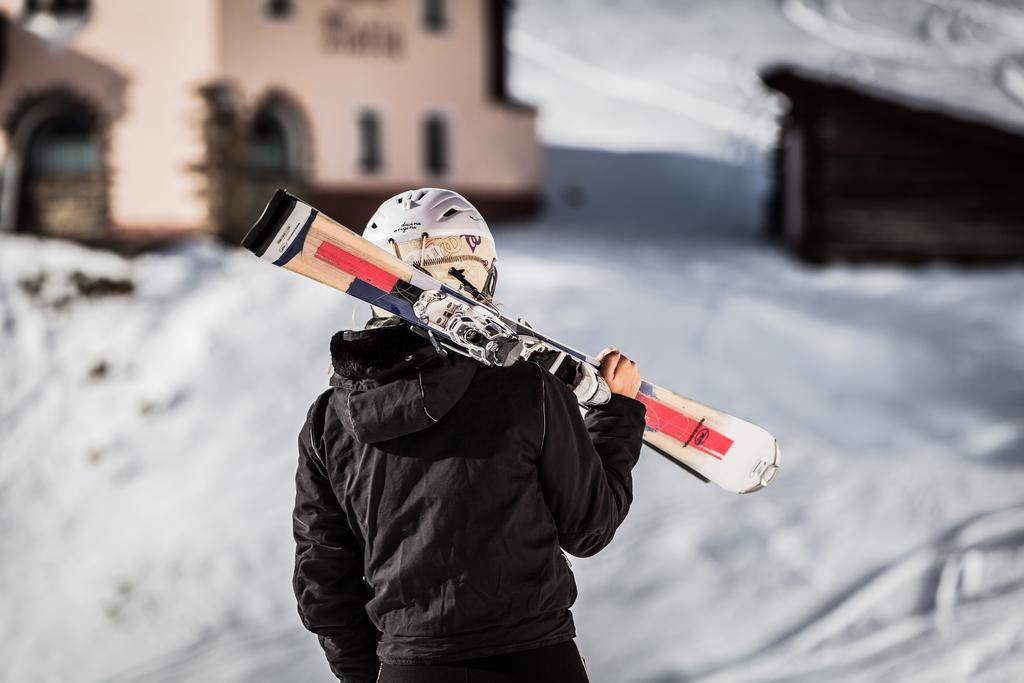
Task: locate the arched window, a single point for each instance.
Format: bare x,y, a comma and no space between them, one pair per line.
60,186
268,146
435,143
63,145
370,159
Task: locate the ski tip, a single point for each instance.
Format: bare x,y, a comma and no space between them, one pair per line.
262,233
768,469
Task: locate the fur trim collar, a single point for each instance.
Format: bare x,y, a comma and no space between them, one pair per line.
379,353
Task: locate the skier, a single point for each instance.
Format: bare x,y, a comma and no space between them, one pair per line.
434,494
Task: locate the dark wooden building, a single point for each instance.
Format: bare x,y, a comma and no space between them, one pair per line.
863,176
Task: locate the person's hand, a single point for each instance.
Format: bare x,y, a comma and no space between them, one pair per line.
620,373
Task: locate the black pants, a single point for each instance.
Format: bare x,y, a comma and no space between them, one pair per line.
559,663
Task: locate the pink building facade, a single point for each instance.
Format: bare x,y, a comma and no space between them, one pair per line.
126,118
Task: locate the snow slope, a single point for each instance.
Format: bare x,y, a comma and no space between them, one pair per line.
146,507
682,74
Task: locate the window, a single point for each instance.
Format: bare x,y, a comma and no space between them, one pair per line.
278,9
435,138
268,147
64,145
369,142
435,15
58,7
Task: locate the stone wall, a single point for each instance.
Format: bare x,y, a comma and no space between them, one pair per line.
53,199
878,180
72,206
235,196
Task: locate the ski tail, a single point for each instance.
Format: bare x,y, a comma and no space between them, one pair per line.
292,234
735,454
266,228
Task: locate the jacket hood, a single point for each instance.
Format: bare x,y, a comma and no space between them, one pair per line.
393,382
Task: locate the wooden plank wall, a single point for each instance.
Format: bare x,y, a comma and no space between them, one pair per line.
901,184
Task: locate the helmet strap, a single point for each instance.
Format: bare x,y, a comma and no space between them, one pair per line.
394,245
460,275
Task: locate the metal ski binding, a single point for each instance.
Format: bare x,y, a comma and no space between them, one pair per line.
475,330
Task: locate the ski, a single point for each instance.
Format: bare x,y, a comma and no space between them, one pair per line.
712,445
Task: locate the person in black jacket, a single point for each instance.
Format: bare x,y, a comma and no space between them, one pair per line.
434,497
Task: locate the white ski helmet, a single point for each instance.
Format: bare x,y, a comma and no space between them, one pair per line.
437,230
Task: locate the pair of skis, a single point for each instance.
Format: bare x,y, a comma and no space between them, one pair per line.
734,454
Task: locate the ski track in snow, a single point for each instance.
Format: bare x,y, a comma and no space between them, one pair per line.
952,54
733,123
966,587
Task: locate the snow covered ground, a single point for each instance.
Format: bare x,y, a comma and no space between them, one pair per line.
147,436
147,448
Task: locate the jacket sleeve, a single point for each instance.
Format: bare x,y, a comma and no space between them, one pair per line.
328,578
585,466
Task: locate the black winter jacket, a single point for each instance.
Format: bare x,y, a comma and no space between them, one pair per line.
433,496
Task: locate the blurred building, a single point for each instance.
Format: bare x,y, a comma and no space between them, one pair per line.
862,173
121,117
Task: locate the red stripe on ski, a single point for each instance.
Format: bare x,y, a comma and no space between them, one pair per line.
353,265
684,429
